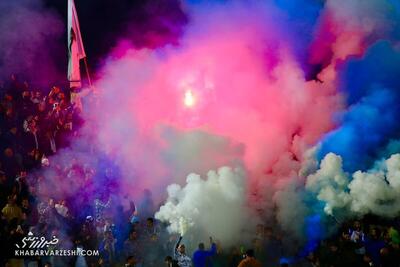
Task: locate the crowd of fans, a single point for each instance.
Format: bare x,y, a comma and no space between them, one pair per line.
359,243
35,124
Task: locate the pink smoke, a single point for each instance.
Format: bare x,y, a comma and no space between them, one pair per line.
252,104
347,28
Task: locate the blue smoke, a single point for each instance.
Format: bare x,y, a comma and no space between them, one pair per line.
302,16
372,87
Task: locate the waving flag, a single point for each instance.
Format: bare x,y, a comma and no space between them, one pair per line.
76,50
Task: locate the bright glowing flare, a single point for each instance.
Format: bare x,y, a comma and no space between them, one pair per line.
189,99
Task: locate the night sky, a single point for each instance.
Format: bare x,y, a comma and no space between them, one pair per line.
104,22
37,48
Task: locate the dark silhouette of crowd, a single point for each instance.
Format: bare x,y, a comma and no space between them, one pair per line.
35,124
367,242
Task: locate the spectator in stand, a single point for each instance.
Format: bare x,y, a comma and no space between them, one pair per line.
14,236
7,104
87,234
48,143
36,97
202,257
62,208
132,246
387,258
107,248
169,262
11,165
47,212
373,245
249,260
100,204
26,105
4,189
151,229
33,159
180,254
28,126
12,210
312,260
367,261
11,138
357,234
347,249
31,136
52,97
333,254
130,262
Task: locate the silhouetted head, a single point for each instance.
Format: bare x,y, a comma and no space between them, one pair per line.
201,246
150,222
250,253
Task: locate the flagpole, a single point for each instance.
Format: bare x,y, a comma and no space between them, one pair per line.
75,47
87,71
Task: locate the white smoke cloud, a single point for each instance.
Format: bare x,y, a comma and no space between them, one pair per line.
214,206
376,191
329,183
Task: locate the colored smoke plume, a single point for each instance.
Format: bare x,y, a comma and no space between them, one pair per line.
375,191
30,41
255,109
215,206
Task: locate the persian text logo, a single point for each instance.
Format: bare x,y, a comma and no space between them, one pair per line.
34,242
35,246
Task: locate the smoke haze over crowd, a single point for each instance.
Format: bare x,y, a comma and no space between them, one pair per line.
293,111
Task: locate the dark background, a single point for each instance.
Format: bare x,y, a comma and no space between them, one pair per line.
104,22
